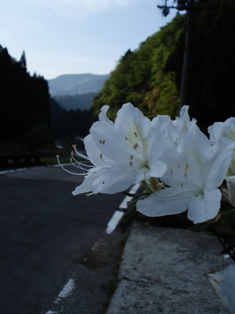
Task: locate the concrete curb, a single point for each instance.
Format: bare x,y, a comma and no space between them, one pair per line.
164,270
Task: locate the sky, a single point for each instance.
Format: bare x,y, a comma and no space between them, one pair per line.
77,36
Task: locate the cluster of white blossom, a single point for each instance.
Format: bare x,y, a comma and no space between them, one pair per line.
181,167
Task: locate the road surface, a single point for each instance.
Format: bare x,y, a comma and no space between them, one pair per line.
55,254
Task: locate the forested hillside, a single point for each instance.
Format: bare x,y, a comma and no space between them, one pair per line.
83,101
67,124
150,76
30,119
141,77
24,104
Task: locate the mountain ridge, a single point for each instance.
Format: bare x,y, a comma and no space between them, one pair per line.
76,84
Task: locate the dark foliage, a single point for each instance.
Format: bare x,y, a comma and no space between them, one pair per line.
69,124
24,104
213,64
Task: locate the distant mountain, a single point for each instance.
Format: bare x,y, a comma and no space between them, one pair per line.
76,84
74,102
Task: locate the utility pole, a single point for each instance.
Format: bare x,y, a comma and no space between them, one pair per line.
182,5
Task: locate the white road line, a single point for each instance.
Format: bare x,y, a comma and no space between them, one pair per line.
36,167
112,224
64,293
124,203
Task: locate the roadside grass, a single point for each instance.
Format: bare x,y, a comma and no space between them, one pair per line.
50,161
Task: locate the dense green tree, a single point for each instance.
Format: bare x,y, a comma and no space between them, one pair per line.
150,76
141,76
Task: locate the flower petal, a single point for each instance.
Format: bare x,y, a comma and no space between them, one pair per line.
175,175
183,121
86,185
109,141
222,130
204,206
193,147
227,287
169,201
115,179
223,283
103,117
130,122
94,153
218,162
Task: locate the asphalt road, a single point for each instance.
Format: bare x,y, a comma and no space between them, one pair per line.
55,255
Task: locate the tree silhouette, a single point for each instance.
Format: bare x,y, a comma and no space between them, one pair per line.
23,60
24,102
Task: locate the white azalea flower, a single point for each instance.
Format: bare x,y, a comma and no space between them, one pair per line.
195,170
220,131
223,283
183,121
124,152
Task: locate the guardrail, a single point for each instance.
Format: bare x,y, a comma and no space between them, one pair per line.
19,160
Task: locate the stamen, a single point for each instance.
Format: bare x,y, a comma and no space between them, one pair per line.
148,183
78,164
74,173
79,154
